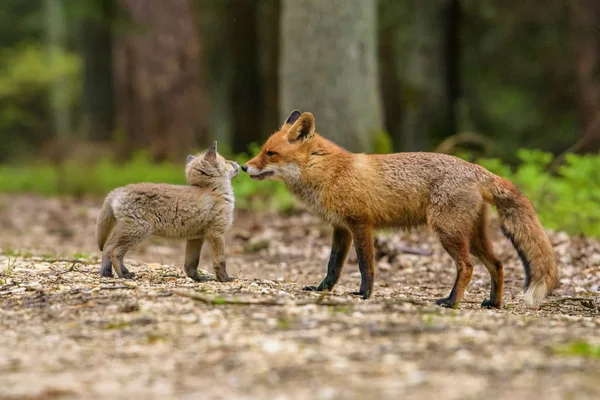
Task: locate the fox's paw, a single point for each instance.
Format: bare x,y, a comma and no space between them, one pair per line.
310,288
488,304
365,294
445,302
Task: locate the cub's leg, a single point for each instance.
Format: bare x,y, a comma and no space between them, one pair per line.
123,238
217,247
192,258
106,268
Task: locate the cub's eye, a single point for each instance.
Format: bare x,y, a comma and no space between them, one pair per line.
270,153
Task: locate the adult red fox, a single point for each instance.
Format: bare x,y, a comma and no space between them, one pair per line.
357,193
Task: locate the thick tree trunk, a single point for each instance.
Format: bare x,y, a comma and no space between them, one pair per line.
162,101
329,67
586,42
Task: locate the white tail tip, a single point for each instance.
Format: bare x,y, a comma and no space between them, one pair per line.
535,294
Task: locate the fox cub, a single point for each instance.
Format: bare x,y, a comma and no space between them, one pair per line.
357,193
203,210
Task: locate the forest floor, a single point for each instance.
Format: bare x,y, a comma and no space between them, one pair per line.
65,333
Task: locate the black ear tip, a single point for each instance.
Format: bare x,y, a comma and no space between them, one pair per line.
293,117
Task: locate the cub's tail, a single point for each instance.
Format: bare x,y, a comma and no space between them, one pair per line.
105,223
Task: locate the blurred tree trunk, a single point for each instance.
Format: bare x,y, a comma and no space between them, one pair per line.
329,67
98,82
390,59
247,92
56,41
424,87
216,30
61,116
585,16
452,20
162,101
242,49
269,14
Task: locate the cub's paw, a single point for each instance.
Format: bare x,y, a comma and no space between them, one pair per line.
128,275
106,273
445,302
225,278
199,278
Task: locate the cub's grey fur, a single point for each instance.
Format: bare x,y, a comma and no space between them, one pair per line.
201,211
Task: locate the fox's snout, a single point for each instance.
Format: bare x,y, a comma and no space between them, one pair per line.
245,168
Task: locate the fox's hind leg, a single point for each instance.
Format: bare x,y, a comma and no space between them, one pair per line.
481,247
453,219
457,245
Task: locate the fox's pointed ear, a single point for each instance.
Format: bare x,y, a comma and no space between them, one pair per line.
303,129
293,117
211,153
189,159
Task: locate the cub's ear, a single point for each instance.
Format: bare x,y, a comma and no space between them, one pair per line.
189,159
303,129
293,117
211,153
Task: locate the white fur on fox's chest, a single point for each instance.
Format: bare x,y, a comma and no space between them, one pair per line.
312,200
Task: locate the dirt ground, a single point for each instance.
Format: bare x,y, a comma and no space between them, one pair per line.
67,334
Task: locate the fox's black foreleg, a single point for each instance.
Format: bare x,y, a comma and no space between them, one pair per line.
342,239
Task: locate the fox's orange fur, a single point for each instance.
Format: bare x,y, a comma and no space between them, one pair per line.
358,193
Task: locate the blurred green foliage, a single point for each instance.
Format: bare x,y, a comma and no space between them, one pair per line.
567,200
98,178
579,348
26,74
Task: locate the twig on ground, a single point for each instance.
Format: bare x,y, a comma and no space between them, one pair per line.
69,260
414,250
589,302
320,301
102,287
223,301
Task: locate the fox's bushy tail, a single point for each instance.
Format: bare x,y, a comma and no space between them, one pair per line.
105,223
520,224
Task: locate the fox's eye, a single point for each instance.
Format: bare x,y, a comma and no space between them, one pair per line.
270,153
